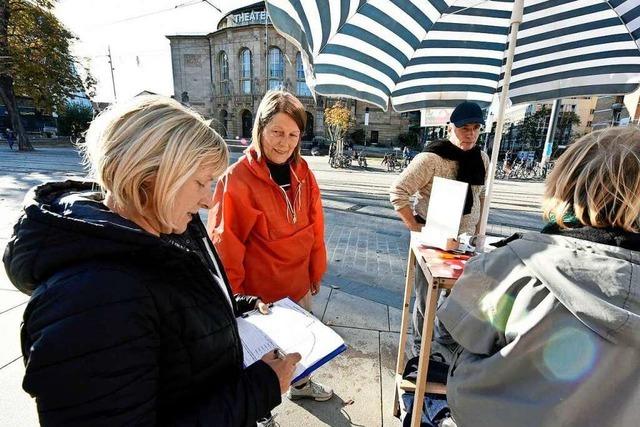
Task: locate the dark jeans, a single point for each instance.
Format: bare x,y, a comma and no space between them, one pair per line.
440,334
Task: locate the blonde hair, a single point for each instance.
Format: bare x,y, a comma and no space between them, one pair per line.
598,180
150,139
274,102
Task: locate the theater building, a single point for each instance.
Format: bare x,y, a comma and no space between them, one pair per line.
225,74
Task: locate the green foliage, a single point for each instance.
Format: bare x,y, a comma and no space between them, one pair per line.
564,131
74,120
533,126
39,58
568,119
410,139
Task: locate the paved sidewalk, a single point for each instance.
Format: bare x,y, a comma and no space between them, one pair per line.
362,377
360,297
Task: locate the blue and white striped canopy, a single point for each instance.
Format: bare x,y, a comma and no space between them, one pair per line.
436,53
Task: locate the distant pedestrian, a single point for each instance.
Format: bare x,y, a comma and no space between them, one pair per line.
11,139
406,156
507,159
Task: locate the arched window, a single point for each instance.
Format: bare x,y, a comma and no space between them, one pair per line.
301,85
223,63
245,71
276,68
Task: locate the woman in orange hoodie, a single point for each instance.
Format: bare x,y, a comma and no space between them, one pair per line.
266,219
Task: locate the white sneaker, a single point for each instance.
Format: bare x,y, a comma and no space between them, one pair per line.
268,422
311,390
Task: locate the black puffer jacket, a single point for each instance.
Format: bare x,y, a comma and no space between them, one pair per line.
123,328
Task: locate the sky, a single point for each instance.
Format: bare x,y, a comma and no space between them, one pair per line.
135,30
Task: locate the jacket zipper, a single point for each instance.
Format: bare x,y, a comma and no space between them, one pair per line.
236,332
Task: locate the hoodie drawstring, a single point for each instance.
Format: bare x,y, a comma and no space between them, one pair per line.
293,208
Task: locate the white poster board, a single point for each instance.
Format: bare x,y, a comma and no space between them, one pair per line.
444,213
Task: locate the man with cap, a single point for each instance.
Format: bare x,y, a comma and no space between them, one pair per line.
457,158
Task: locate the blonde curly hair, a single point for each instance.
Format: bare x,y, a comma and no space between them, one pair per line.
598,181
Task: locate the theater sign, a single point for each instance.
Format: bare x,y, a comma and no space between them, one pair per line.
252,17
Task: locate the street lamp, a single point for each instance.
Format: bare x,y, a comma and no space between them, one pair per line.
366,124
616,109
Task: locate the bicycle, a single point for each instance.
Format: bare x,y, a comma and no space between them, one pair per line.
392,162
362,160
340,161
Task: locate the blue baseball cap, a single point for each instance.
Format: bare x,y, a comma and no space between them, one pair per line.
465,113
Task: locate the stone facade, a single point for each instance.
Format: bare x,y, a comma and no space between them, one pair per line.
221,94
604,115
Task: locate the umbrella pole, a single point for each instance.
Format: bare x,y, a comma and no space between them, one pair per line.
516,19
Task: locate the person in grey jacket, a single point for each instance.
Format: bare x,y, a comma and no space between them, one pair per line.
548,324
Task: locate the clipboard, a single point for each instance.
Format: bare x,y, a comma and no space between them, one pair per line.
289,328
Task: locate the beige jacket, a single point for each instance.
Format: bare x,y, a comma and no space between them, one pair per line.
417,179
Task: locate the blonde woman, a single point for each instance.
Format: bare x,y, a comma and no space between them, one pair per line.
549,323
131,319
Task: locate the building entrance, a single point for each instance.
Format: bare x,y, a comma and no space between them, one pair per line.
247,123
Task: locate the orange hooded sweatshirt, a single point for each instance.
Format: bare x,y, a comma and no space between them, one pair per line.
271,243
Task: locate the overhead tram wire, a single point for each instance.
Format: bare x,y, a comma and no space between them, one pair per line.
178,6
212,5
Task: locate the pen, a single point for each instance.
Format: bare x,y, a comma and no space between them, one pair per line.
279,354
446,255
255,310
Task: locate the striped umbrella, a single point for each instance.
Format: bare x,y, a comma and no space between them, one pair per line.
436,53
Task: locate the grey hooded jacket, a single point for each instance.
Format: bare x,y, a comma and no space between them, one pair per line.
549,334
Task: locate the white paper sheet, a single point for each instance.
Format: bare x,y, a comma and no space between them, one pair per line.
291,329
444,213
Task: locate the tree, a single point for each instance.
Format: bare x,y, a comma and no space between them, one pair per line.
337,119
410,139
533,126
74,120
566,121
35,60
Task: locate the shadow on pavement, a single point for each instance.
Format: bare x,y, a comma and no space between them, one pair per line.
330,412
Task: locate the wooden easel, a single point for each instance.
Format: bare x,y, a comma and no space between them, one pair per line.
441,273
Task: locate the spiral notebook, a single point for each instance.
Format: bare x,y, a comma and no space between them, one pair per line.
290,328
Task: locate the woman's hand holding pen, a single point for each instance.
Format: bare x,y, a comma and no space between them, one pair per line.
262,307
284,365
